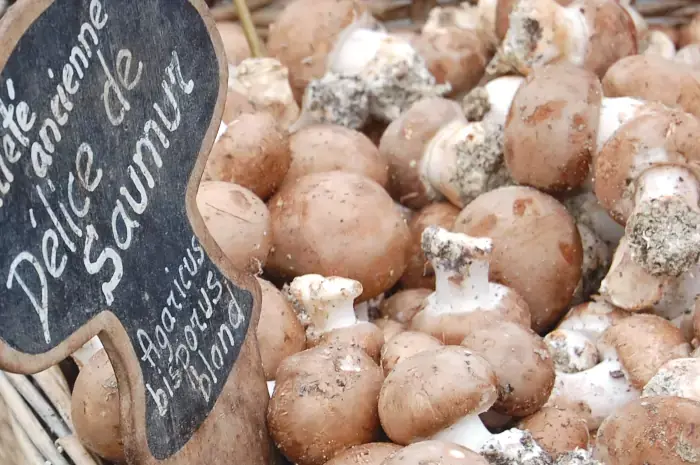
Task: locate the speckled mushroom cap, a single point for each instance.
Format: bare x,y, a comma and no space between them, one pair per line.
404,142
654,78
365,335
592,318
338,224
373,453
235,44
664,136
651,430
521,361
536,247
280,333
678,377
328,147
557,431
503,9
435,453
238,221
433,389
550,133
304,33
236,104
404,305
643,344
405,345
325,400
419,272
253,152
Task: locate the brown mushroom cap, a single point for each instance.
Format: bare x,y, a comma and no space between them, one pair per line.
236,104
619,162
253,152
325,401
95,408
389,327
690,33
405,345
644,343
404,141
551,127
339,224
536,247
364,335
419,272
454,55
435,453
451,328
651,430
521,361
557,431
404,305
304,33
503,9
432,390
373,453
280,333
328,147
656,79
238,221
235,44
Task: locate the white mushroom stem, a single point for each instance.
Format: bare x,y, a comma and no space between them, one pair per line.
592,321
83,355
461,266
571,351
602,389
540,32
658,43
586,209
469,432
328,302
514,447
271,387
614,112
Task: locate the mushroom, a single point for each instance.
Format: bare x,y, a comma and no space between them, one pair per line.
645,178
325,306
501,10
631,351
236,104
327,147
404,345
404,305
514,447
654,430
265,82
577,457
655,78
659,44
95,408
279,332
463,294
519,357
454,46
253,152
434,453
678,377
557,431
238,221
403,143
373,453
389,327
596,261
235,44
325,401
690,33
592,34
536,247
303,34
419,273
338,224
689,56
588,212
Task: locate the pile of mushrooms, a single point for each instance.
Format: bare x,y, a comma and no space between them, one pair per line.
477,243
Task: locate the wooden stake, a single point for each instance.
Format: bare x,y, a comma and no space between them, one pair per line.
251,35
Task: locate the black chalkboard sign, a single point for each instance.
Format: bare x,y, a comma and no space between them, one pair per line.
106,106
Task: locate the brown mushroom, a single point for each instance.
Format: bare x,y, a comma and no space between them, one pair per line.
404,305
404,345
654,78
689,56
652,430
253,152
419,272
551,129
327,147
279,332
236,104
435,453
304,33
690,33
235,44
557,431
238,221
95,409
536,247
338,224
325,401
373,453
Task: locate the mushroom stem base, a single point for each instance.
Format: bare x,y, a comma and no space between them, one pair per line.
469,432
